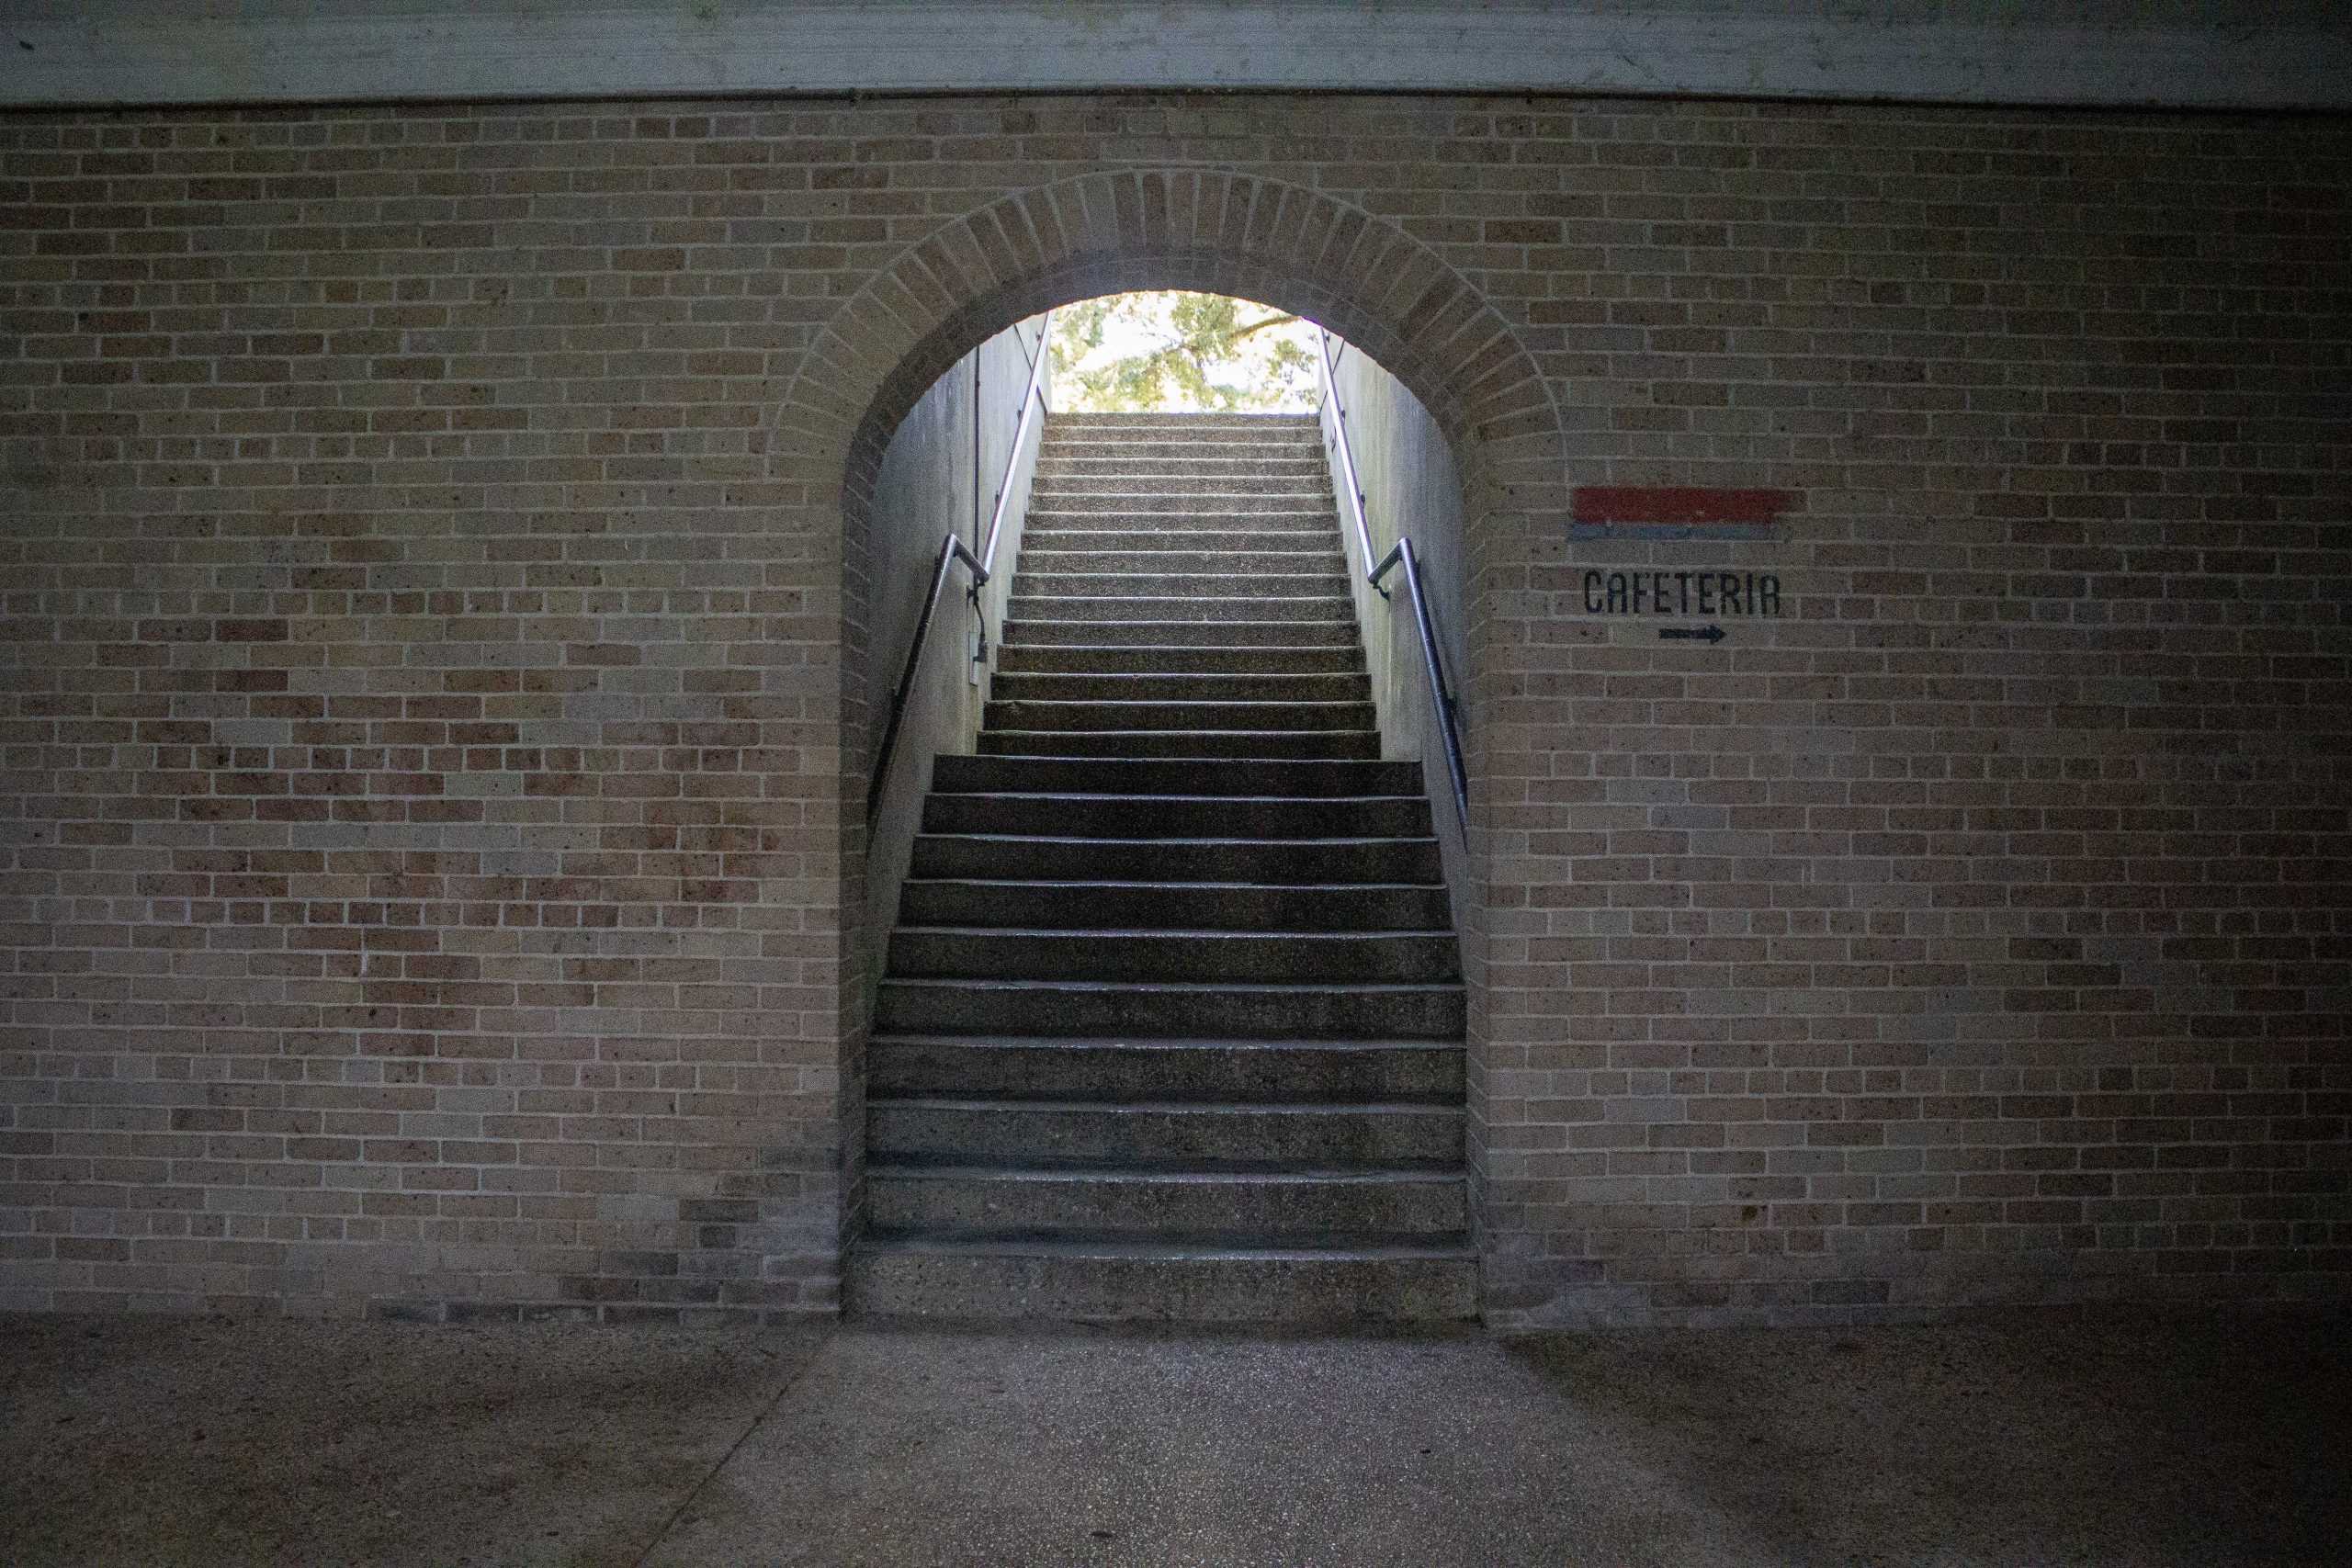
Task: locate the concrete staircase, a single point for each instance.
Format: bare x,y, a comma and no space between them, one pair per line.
1171,1026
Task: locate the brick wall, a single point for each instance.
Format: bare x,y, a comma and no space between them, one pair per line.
426,734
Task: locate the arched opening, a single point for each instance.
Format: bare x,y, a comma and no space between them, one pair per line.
964,456
1378,290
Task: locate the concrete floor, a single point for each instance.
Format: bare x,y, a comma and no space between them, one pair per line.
2029,1439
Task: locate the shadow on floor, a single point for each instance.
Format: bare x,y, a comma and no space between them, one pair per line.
2075,1437
212,1440
2032,1438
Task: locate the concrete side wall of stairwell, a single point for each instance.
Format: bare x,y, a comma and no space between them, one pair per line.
942,472
423,707
1003,383
1411,487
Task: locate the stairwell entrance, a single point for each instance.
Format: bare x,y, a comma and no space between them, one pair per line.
1299,249
1173,1021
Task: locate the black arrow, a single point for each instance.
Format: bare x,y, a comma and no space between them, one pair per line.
1693,634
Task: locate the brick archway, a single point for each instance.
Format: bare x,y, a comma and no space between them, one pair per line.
1223,234
1261,239
1217,232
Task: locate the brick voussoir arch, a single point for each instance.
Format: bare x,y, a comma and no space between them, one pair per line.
1290,247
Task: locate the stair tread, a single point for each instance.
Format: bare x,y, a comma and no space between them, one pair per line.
918,1241
1208,1244
1058,621
1277,987
1039,578
1229,764
1237,776
1058,537
1330,741
1166,933
1287,763
1130,626
1330,745
1171,1107
1020,592
1186,490
1181,525
1151,1043
1301,1176
1081,839
1022,883
1227,756
1036,584
1196,1174
1168,796
1186,686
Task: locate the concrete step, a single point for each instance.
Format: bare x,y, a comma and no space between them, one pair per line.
1014,857
1050,560
1167,481
1046,659
1204,426
1022,714
1102,716
1110,906
1288,525
1097,1282
1241,586
1334,608
1299,510
1180,817
1163,534
1184,436
1162,1134
1181,686
1151,625
1191,431
1181,743
1144,775
1270,1072
1170,1008
981,953
1148,462
1146,445
1278,1207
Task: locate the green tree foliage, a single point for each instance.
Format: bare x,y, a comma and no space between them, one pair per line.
1207,353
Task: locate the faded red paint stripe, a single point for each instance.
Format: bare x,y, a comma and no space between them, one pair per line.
1680,503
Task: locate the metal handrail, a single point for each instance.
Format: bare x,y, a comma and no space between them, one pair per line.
1347,455
1432,665
981,566
1029,401
1432,662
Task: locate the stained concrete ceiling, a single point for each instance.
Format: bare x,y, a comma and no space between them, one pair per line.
2181,53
